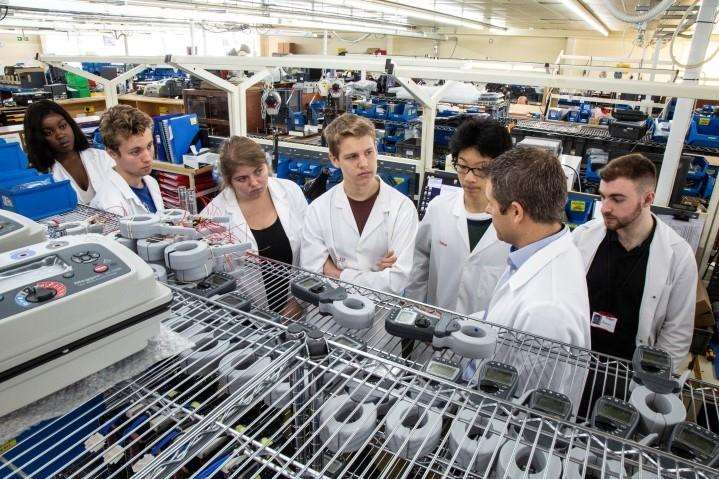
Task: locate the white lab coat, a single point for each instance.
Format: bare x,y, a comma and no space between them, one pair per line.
331,230
97,165
289,202
445,272
116,196
546,296
666,314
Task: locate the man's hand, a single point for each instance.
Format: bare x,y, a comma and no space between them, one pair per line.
330,269
387,261
292,309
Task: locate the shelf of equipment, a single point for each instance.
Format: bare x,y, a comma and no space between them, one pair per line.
309,405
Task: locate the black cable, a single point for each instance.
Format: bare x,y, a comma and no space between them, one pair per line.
5,14
579,181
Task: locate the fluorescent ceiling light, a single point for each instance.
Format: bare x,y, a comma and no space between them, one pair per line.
586,15
410,11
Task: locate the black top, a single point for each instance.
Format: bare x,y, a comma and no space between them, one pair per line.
476,229
272,242
616,281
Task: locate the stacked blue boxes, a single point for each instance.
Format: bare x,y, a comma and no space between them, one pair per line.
704,128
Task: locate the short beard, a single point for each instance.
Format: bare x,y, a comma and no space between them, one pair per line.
626,222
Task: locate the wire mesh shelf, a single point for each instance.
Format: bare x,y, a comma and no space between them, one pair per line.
81,213
283,407
264,394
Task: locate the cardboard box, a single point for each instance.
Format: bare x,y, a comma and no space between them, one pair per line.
703,316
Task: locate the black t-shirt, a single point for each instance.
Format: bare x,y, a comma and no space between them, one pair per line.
476,229
272,242
616,281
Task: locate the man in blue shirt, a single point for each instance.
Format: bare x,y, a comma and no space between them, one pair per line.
543,291
128,189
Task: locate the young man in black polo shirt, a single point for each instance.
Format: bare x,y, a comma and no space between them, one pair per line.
641,275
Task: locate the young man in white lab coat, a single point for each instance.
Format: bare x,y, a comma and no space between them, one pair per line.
458,258
128,189
641,275
542,290
362,230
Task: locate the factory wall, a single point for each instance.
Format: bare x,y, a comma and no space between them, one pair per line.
13,50
486,47
314,46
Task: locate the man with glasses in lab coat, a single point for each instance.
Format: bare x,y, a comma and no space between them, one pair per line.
458,258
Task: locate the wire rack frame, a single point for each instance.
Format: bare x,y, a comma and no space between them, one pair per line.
180,419
136,415
81,213
416,427
582,374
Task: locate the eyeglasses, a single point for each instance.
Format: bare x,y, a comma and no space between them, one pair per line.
478,171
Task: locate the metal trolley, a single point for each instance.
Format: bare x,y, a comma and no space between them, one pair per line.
277,391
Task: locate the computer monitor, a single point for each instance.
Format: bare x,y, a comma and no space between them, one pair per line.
434,184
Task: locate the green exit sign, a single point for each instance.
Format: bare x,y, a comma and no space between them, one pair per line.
22,38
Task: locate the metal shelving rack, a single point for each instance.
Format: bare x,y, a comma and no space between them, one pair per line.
178,419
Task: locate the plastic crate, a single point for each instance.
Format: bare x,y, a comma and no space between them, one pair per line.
12,157
410,148
443,136
708,139
39,199
402,112
579,210
16,177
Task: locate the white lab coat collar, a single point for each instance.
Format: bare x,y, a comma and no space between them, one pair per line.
128,195
290,212
661,257
380,210
122,196
279,199
460,214
539,260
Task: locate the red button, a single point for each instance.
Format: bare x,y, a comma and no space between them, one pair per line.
100,268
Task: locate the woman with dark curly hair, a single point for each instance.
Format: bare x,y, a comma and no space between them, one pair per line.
55,144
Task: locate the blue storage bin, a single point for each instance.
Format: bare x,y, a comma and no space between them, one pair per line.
39,199
12,157
703,131
579,210
442,137
283,167
402,112
12,178
295,172
380,111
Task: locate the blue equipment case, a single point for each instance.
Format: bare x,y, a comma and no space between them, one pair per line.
12,157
